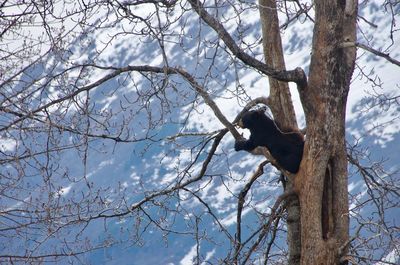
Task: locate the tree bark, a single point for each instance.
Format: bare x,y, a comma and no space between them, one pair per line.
322,180
280,98
281,106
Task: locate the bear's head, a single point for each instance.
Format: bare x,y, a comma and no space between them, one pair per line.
251,119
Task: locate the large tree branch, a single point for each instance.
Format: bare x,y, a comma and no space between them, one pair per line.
144,68
284,114
297,75
149,69
279,93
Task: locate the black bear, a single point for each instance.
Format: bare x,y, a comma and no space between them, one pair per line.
285,147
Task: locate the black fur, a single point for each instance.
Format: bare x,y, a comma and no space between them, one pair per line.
285,147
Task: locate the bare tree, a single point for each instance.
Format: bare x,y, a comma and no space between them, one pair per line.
118,122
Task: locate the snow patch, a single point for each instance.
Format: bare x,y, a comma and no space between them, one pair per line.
7,144
190,256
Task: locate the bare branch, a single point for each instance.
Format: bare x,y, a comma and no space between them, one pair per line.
378,53
386,56
241,201
266,227
298,76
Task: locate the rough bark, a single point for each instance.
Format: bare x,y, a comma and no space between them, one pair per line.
281,106
322,181
280,98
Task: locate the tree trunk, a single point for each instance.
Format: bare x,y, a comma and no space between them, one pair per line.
282,109
322,180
